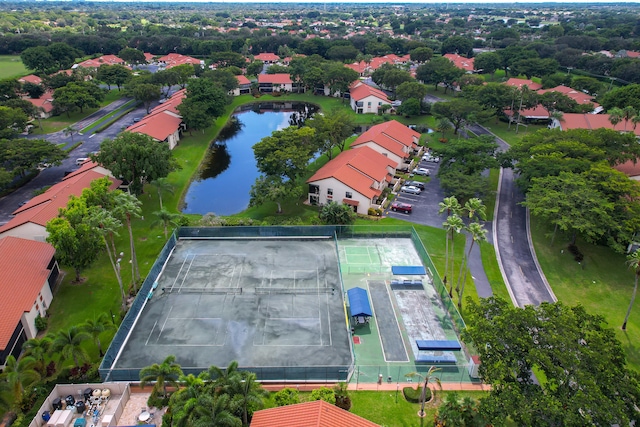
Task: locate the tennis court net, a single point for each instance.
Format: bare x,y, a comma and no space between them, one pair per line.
194,290
294,291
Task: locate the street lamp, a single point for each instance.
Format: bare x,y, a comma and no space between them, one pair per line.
119,277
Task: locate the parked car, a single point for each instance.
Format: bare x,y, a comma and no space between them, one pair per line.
422,171
430,158
401,207
136,119
410,189
81,160
418,184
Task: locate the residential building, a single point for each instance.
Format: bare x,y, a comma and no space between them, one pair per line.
164,122
97,62
392,139
31,78
275,82
461,62
591,121
519,83
244,86
44,104
174,59
267,58
317,414
29,274
30,220
355,177
366,99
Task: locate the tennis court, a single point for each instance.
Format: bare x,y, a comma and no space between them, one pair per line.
273,305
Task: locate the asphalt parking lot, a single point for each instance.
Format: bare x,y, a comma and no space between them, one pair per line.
426,204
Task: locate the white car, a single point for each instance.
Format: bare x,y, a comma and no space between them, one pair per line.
410,189
422,171
430,158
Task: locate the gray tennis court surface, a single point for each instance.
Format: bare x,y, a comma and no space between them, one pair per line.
392,344
268,304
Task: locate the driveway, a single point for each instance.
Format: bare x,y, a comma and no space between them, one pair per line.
523,276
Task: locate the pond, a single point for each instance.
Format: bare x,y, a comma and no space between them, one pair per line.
223,183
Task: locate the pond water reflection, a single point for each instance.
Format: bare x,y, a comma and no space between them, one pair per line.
223,183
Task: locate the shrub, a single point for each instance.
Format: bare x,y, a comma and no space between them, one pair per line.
575,251
41,323
157,401
286,396
325,394
412,395
341,392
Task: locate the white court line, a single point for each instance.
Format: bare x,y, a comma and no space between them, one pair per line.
165,322
186,274
239,277
329,318
180,271
373,310
149,337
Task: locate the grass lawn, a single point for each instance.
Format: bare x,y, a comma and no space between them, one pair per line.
501,129
382,408
602,283
11,66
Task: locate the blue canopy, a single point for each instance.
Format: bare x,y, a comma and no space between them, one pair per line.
359,302
408,270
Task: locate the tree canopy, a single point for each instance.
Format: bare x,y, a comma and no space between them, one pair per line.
584,379
136,158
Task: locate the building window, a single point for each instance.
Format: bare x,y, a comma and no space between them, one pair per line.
369,104
37,307
348,194
330,191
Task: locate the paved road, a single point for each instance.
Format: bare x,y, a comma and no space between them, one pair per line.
425,212
512,241
90,143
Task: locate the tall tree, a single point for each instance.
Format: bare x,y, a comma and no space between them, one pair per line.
450,206
487,62
460,112
165,218
331,130
166,373
95,327
286,153
38,348
162,185
439,70
76,241
127,207
146,93
247,395
136,158
478,234
633,261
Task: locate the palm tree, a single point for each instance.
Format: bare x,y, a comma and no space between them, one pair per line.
166,218
427,379
443,125
633,261
214,411
168,372
19,374
107,225
478,234
162,185
97,326
38,348
452,225
67,344
628,113
451,206
186,399
70,131
222,378
126,207
247,395
615,116
476,209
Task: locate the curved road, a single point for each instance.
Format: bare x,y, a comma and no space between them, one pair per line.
522,274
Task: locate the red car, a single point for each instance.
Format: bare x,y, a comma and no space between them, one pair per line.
401,207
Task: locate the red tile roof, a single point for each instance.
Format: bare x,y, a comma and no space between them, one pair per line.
44,207
174,59
594,121
30,79
266,56
104,59
171,103
522,82
159,125
243,80
45,101
629,168
361,91
358,169
460,61
309,414
149,56
24,272
576,95
280,78
391,135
